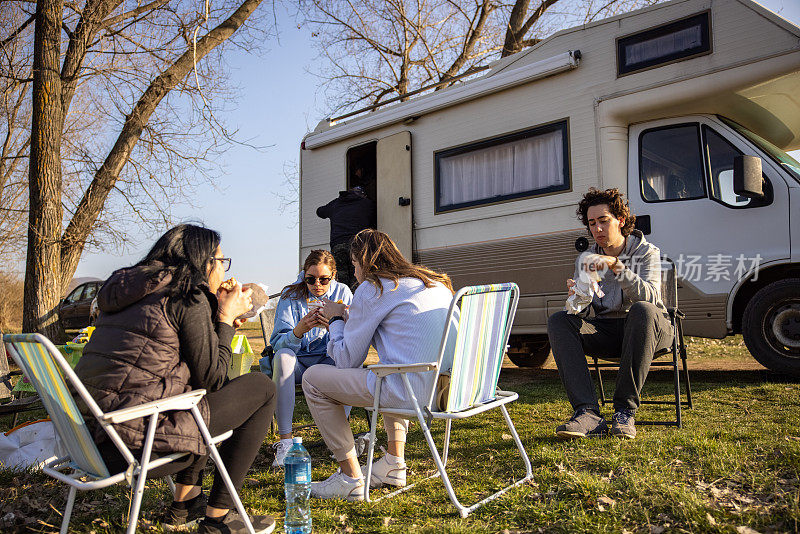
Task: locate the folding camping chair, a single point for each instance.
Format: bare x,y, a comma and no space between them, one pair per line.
669,296
484,315
46,368
9,404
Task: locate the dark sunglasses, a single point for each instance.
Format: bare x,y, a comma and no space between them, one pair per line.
323,280
226,263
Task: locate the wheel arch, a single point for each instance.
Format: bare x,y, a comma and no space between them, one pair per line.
754,281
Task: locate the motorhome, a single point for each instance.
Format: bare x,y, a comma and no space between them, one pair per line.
676,105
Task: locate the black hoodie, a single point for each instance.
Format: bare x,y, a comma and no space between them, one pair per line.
349,213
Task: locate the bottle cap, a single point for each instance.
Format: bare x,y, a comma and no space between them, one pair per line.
297,440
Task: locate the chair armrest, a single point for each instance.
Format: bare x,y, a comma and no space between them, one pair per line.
184,401
675,313
389,369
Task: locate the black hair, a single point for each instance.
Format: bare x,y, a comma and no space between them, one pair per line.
185,252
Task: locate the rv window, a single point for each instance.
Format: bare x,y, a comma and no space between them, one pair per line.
521,165
670,164
671,42
779,156
720,154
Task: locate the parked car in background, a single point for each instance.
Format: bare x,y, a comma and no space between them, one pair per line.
74,310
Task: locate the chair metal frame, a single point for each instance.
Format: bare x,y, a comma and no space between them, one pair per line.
669,294
79,477
428,411
16,403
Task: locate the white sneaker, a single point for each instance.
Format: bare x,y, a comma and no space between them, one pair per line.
336,487
384,472
281,450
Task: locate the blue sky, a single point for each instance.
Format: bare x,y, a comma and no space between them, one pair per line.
279,105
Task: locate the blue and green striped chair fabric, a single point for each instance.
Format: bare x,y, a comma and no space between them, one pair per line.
43,365
484,322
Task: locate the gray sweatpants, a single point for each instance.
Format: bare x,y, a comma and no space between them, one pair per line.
632,340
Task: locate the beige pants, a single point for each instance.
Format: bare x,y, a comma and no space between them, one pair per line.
328,390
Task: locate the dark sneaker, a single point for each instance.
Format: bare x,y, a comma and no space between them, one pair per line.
185,518
232,524
622,424
583,423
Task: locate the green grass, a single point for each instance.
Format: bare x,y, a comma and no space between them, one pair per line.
735,464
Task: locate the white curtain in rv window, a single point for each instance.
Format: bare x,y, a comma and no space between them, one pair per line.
520,166
663,46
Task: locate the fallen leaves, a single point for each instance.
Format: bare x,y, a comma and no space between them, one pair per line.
606,501
730,495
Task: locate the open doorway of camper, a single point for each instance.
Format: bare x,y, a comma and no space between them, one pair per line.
362,168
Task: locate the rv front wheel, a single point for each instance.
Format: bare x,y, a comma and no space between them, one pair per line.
528,350
771,326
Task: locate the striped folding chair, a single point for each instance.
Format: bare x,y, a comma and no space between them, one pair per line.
83,468
473,342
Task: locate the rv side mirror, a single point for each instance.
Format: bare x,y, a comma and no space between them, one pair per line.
747,176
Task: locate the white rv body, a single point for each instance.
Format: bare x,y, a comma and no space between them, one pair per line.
750,75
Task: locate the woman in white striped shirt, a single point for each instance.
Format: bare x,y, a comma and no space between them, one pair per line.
400,309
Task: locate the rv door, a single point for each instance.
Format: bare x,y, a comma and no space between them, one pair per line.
680,185
393,155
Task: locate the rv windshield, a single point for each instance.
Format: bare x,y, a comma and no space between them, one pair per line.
781,157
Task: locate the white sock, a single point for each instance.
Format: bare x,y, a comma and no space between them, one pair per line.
287,440
395,460
350,479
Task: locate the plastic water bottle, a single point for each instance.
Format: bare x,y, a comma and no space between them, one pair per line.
297,484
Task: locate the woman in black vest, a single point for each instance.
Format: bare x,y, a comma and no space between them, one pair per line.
165,327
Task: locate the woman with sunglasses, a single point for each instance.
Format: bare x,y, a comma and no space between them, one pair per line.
400,309
300,336
165,328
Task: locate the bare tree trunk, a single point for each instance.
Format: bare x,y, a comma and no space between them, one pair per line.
519,25
43,267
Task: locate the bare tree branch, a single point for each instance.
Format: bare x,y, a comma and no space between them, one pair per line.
91,204
16,32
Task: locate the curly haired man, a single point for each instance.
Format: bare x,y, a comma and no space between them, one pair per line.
629,322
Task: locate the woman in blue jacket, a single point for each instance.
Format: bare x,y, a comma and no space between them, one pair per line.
300,336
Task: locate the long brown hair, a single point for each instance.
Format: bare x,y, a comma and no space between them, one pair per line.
299,290
379,258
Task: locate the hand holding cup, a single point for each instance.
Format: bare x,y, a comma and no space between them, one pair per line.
332,309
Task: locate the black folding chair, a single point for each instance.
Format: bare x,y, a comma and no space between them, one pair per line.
669,296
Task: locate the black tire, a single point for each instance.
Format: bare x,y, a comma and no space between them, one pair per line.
533,354
771,326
